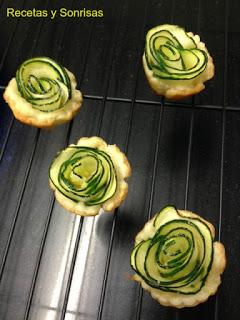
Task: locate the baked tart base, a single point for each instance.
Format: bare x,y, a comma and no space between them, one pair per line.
122,171
180,88
213,280
24,112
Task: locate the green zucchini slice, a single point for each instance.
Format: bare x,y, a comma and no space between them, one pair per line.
44,83
173,54
178,257
84,174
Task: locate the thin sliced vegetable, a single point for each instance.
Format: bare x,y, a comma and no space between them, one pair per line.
172,54
84,174
44,83
178,257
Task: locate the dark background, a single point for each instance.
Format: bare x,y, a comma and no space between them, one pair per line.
54,265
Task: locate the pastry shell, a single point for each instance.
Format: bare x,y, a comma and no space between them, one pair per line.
178,300
24,112
179,89
123,171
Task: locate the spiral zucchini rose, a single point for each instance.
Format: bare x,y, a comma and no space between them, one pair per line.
43,94
176,62
89,176
176,258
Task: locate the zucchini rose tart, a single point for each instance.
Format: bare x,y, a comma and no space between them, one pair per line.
176,62
176,258
89,176
43,93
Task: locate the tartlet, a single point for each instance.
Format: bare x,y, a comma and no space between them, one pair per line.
89,176
176,62
43,93
176,258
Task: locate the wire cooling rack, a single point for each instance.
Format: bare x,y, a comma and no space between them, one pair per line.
54,265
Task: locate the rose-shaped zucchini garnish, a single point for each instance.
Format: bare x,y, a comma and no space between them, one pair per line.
84,174
44,83
178,257
171,53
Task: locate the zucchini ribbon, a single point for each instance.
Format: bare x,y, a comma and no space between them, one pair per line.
84,174
178,257
44,83
173,54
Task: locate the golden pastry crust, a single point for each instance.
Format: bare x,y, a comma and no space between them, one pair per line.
213,280
123,171
24,112
179,89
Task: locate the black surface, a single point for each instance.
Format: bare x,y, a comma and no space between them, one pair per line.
54,265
